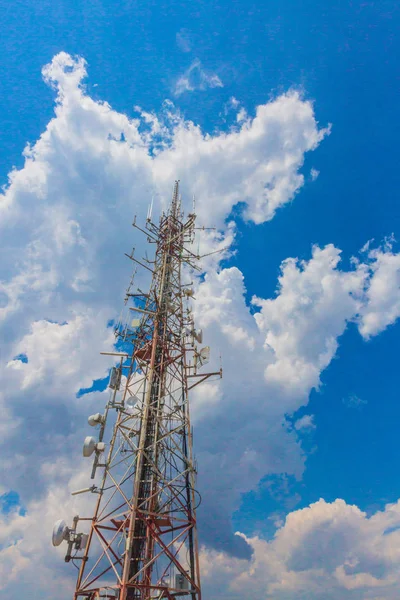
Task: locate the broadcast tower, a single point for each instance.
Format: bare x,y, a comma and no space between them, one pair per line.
141,541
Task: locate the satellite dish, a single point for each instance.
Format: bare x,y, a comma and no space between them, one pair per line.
60,532
130,403
89,446
94,420
204,356
198,335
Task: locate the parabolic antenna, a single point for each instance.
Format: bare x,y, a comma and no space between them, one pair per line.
199,335
203,356
130,403
96,419
60,532
89,446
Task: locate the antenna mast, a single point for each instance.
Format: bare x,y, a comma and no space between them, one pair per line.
141,541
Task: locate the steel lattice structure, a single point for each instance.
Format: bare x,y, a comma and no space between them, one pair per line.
142,542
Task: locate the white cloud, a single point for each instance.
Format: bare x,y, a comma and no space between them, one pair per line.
382,306
272,360
305,423
233,102
196,78
28,561
241,115
330,551
48,342
325,551
302,324
314,174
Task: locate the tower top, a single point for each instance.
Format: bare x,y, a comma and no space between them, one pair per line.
176,201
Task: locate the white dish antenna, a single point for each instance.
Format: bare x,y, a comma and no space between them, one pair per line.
131,403
202,357
90,445
198,335
96,419
60,532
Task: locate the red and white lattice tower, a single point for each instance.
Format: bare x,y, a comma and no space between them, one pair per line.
141,541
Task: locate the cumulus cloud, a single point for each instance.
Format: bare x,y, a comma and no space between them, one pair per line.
325,551
47,342
27,534
196,78
382,306
68,205
303,323
68,209
275,357
305,423
314,174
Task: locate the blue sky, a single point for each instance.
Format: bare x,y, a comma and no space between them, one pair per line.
342,56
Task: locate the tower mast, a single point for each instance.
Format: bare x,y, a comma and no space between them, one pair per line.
141,542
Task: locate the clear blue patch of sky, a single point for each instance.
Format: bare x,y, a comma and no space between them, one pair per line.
357,447
9,502
391,529
21,357
56,322
98,385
